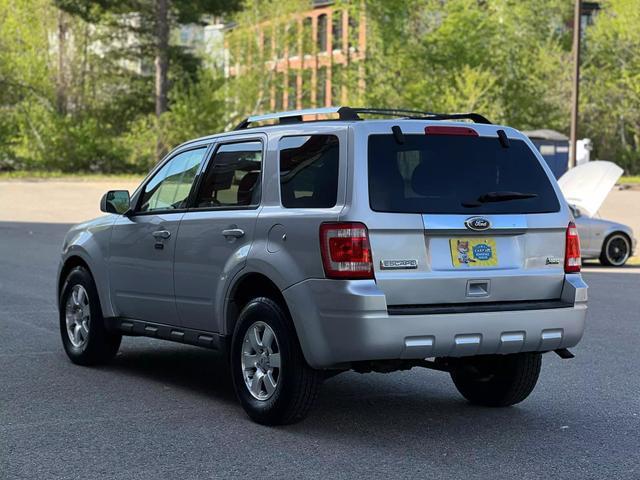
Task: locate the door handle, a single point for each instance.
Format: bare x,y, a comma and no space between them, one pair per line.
161,234
233,232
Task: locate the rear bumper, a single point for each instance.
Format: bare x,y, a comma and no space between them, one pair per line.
339,322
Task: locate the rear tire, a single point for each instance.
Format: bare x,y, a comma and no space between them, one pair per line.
616,250
84,336
285,386
497,380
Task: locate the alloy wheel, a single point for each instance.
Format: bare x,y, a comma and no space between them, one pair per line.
78,316
260,361
617,250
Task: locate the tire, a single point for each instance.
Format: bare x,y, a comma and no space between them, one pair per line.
90,343
497,380
296,384
616,250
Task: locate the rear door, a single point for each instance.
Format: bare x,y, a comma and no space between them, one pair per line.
459,218
217,231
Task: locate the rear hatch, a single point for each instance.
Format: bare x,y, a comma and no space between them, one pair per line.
462,218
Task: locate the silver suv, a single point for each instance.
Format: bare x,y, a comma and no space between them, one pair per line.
307,247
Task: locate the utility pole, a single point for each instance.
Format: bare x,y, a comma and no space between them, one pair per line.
577,21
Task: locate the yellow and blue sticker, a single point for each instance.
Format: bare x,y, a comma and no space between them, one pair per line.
473,252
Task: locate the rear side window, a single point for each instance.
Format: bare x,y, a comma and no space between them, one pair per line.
456,175
309,171
233,177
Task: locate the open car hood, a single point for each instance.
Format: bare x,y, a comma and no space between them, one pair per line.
587,186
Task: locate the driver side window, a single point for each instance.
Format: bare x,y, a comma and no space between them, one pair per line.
169,188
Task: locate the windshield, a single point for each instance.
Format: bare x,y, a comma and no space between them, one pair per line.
456,175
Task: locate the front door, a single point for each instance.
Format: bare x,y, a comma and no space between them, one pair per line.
216,233
143,243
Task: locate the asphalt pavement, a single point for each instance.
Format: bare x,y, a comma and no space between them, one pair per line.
163,410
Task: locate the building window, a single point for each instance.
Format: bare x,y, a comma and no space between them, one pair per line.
184,35
321,93
266,42
292,91
337,80
307,36
306,88
321,40
280,82
281,34
353,32
336,30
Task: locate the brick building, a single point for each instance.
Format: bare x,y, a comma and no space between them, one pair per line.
311,58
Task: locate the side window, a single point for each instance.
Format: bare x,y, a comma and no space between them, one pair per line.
233,177
309,171
170,186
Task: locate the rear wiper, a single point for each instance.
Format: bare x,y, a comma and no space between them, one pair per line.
490,197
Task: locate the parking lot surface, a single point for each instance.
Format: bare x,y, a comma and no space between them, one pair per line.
164,410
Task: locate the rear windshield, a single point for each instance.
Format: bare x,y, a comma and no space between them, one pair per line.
456,175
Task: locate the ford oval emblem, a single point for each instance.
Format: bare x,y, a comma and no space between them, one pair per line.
477,223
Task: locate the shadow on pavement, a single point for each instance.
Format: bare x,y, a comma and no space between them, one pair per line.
197,370
410,404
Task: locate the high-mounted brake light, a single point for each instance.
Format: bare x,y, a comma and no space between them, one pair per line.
440,130
346,253
572,259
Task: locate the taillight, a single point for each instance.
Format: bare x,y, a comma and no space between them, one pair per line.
443,130
346,253
572,260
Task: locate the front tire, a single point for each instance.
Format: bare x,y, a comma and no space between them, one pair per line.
271,378
616,250
497,380
84,336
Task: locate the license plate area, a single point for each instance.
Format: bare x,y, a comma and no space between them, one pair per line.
473,252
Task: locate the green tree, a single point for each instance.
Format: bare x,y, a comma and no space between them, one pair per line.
65,97
503,58
610,102
150,21
25,85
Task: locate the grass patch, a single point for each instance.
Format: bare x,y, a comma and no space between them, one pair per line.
634,261
631,179
28,175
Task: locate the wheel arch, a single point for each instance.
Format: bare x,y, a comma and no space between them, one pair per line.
69,264
244,289
74,260
621,232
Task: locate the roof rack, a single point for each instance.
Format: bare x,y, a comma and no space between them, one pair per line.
348,113
296,116
418,115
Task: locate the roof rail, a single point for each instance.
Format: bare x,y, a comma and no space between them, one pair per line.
296,116
418,115
348,113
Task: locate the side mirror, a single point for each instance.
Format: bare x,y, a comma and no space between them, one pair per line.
115,201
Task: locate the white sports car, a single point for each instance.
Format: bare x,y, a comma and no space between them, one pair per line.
585,188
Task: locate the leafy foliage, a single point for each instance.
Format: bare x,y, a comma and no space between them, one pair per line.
89,105
611,84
